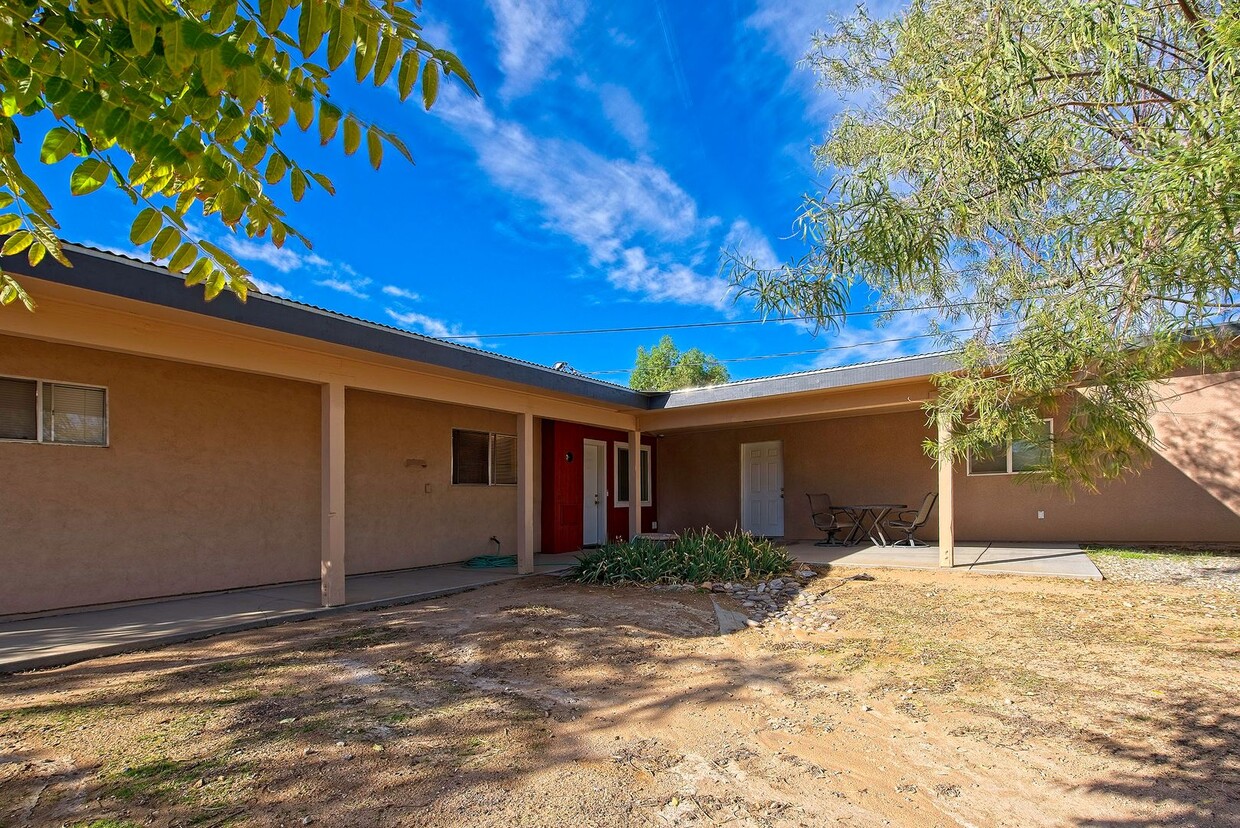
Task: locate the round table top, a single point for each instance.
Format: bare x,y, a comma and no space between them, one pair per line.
873,506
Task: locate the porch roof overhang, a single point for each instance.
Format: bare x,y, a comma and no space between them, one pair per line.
391,360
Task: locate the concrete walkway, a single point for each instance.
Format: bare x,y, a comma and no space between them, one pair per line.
1049,560
63,639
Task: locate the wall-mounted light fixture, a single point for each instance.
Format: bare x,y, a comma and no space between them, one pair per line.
568,457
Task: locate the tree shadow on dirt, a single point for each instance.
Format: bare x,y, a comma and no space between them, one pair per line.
369,718
1189,753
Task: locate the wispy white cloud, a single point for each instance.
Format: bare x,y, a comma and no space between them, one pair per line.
531,36
749,242
283,259
635,222
401,293
625,115
270,288
429,325
355,287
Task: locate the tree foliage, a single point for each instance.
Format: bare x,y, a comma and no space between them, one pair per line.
1062,178
183,105
665,368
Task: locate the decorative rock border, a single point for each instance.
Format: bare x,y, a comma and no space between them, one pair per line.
776,602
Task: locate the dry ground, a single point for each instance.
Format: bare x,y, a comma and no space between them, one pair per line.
937,699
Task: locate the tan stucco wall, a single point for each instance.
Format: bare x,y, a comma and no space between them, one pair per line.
1189,494
392,520
211,481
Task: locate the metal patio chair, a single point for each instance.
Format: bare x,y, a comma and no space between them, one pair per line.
831,520
911,520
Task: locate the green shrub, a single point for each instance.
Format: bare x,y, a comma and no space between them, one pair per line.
694,557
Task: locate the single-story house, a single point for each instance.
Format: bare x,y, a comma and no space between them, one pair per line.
153,444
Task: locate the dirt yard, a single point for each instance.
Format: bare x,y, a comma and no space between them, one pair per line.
935,699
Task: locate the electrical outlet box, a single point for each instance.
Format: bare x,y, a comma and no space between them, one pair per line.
654,524
428,488
1041,515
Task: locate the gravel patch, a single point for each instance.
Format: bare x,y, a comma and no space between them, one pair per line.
1220,572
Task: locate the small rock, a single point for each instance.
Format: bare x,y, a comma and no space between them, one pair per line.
707,585
807,573
778,583
308,751
761,588
348,756
340,744
307,820
865,708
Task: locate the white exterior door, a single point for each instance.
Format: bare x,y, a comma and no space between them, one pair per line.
762,488
594,493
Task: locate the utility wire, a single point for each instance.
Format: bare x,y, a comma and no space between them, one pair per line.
827,349
720,324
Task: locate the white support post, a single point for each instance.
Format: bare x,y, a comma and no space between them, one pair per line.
332,511
525,494
635,484
947,513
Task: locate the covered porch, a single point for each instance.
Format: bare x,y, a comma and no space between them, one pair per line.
32,643
986,558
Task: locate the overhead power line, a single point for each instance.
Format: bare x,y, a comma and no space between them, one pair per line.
676,326
828,349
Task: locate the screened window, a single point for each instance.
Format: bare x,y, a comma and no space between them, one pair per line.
481,458
1014,456
53,412
622,474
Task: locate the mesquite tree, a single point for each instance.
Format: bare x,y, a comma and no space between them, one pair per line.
1062,179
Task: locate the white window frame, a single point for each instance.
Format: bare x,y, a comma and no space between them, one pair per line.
615,475
1050,430
38,404
491,435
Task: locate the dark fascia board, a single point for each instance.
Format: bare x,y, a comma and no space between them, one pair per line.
127,278
903,368
130,279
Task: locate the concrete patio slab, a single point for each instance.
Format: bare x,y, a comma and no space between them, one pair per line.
1046,560
56,640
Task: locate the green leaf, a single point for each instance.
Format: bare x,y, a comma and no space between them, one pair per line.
374,147
211,67
324,182
248,86
352,135
453,64
9,222
272,12
216,283
145,227
57,144
329,121
430,83
311,26
143,35
89,176
165,243
17,242
303,108
367,51
185,256
199,272
298,184
36,253
389,53
340,39
276,168
408,74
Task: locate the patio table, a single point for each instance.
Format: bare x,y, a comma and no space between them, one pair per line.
876,513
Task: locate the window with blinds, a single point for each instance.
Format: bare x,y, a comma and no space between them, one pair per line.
52,412
482,458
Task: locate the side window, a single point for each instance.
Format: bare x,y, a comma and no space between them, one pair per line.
53,412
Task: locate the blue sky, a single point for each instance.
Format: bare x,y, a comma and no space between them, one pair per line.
616,148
